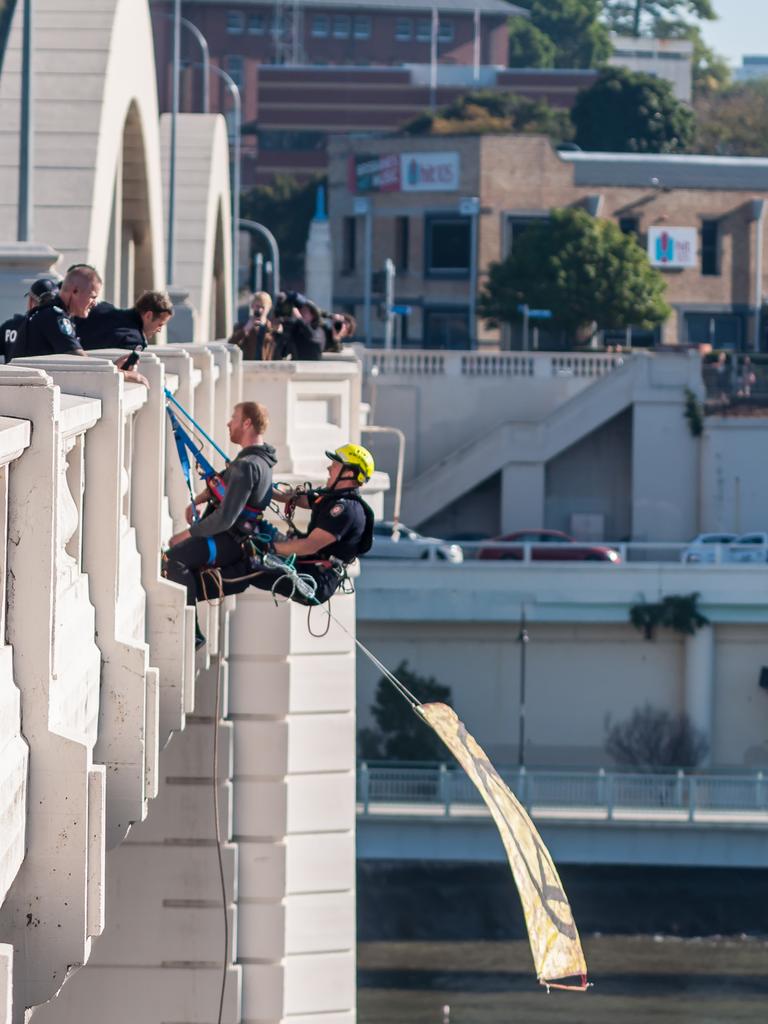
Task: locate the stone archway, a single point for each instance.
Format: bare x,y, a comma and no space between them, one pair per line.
96,134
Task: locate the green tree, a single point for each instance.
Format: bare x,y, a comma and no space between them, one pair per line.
286,207
400,734
529,47
575,28
733,121
584,269
645,17
626,112
488,112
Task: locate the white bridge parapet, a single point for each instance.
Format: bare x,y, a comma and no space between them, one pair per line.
105,706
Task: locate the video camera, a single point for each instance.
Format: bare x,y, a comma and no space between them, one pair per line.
286,302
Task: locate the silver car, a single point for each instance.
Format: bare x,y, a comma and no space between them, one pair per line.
704,549
392,540
749,547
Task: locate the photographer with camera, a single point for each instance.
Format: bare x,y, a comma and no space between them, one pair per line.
302,328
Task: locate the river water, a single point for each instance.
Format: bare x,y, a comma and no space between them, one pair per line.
637,980
663,946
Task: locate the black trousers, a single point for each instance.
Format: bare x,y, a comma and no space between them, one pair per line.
185,560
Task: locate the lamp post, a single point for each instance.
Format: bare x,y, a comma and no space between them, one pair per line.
237,106
205,57
176,65
254,226
25,136
522,638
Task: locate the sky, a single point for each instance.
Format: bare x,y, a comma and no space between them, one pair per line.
742,28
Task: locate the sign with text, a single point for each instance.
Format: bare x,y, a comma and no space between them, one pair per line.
404,172
672,247
429,172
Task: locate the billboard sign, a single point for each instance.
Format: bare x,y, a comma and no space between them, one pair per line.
429,172
404,172
673,247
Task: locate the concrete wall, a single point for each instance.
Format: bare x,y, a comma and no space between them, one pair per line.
586,666
734,490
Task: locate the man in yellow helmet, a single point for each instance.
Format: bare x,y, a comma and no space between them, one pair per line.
340,526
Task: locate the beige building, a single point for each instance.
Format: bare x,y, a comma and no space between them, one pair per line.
443,208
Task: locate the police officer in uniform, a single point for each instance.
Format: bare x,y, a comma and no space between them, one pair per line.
49,329
340,528
40,291
244,488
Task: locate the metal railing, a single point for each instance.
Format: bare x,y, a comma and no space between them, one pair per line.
578,792
614,553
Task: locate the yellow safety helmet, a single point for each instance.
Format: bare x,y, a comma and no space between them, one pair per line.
358,457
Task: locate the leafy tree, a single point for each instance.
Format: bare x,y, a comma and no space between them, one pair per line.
529,47
584,269
286,207
734,121
401,735
670,19
651,738
580,37
644,17
488,112
626,112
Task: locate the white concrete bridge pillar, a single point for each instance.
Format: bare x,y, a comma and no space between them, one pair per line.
700,680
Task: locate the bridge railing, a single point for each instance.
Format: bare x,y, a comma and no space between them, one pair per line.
430,363
582,792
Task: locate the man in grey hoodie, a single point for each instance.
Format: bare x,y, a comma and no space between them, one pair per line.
232,502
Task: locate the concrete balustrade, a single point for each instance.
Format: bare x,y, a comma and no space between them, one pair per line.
55,905
104,671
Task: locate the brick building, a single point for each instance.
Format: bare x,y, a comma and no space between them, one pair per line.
330,66
700,217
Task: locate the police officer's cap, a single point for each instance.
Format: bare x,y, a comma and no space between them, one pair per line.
43,286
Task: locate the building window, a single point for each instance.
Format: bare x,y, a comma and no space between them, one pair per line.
445,31
423,30
342,25
446,328
256,25
710,236
517,227
402,242
349,245
233,65
403,29
629,226
320,26
362,27
447,246
720,330
235,23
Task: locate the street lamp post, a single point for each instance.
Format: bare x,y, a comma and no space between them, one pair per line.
25,136
254,226
205,58
237,105
176,64
522,638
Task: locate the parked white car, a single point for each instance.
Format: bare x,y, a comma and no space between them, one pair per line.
391,541
749,547
703,549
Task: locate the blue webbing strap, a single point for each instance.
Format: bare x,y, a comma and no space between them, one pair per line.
211,550
196,425
181,439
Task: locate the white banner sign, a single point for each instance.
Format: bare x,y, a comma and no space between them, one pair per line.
429,172
673,247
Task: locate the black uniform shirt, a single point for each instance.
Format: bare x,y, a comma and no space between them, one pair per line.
50,331
107,326
9,333
344,518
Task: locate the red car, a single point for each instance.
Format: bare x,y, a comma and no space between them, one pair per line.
549,546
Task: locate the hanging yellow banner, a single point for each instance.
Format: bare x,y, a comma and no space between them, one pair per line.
557,952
